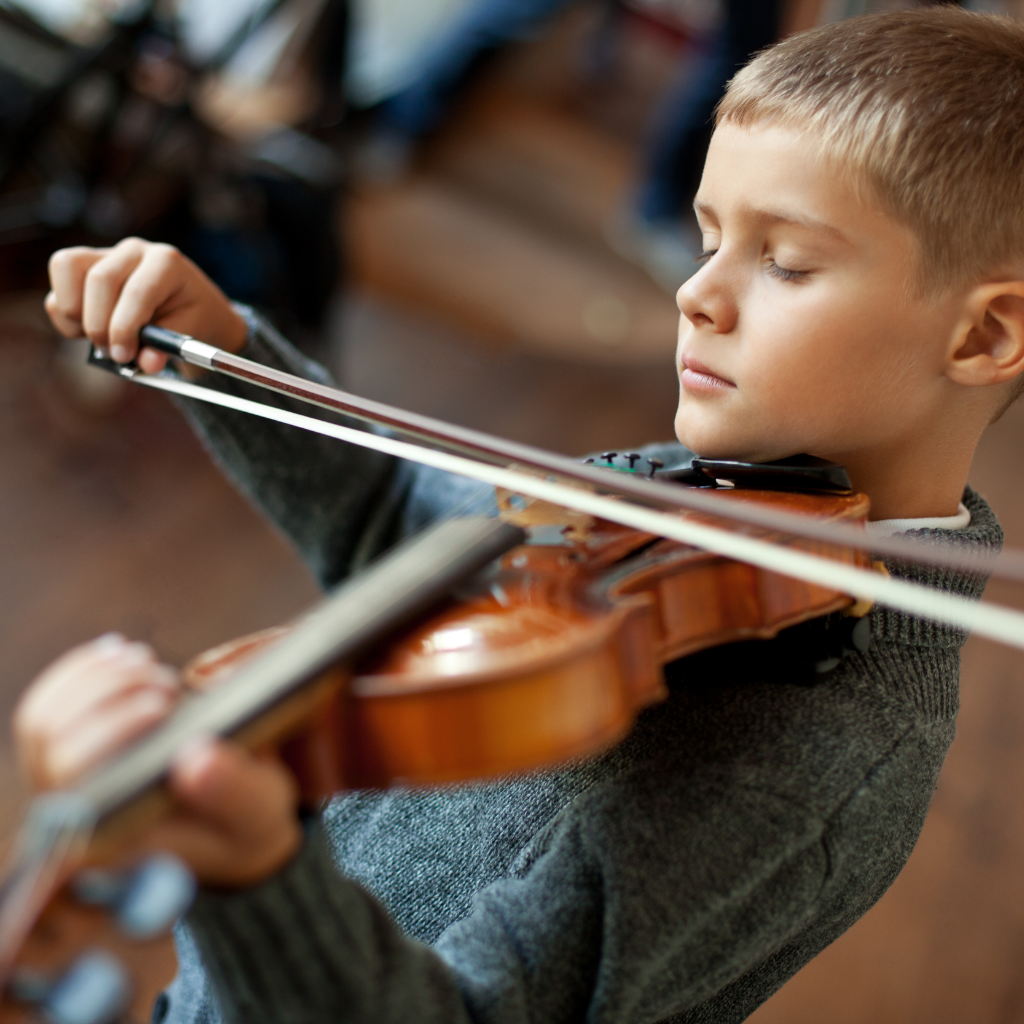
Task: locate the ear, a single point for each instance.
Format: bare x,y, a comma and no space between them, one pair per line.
988,346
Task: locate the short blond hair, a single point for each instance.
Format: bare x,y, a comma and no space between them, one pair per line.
927,108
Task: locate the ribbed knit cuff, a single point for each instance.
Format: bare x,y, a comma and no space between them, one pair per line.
273,951
310,946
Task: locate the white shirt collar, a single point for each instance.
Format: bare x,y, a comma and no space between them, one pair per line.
887,527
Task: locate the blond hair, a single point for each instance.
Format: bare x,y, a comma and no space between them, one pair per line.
925,107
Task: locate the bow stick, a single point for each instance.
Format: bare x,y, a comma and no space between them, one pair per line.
644,509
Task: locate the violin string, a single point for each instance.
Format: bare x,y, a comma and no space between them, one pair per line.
1005,625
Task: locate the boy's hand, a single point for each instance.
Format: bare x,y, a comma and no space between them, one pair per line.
109,295
235,822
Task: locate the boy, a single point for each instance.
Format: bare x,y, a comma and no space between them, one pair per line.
862,299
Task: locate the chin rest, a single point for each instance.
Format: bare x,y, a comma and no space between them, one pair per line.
797,473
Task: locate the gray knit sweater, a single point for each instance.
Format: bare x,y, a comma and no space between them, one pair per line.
684,876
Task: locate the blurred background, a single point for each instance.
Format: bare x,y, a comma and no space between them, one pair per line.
476,209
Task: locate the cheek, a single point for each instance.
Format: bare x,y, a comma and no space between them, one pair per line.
810,349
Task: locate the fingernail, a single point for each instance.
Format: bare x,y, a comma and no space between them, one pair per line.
109,642
164,675
138,652
195,745
120,354
194,753
152,702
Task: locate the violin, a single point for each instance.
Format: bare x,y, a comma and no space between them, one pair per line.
468,653
482,648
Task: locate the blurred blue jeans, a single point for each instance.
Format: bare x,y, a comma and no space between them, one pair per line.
681,131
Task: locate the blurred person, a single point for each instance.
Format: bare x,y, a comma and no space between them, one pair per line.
658,230
655,228
651,231
409,115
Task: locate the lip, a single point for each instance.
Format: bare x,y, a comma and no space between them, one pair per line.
700,379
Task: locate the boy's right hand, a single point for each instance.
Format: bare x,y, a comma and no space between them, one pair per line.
109,295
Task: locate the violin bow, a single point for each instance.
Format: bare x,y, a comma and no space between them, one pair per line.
647,506
476,444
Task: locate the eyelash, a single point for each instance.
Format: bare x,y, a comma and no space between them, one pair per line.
781,273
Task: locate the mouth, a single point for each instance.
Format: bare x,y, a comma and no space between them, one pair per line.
699,379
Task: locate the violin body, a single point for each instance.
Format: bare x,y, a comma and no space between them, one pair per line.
547,658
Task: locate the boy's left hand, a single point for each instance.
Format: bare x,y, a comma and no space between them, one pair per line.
235,820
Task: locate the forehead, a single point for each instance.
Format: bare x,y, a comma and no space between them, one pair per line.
772,173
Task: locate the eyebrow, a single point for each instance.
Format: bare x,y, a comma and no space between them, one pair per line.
780,217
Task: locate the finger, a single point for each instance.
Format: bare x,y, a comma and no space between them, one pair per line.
107,683
100,735
88,680
65,325
67,268
39,694
152,285
248,806
89,674
151,361
102,289
224,784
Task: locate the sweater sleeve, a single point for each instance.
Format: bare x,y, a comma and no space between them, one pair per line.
309,946
339,504
578,934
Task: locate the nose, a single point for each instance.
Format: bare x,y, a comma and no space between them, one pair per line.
707,301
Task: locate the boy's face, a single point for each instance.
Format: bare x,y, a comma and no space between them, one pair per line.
803,332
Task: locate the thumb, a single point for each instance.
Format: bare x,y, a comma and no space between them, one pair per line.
236,820
231,789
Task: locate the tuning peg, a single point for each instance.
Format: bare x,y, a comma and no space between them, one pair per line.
146,902
158,893
96,990
655,465
98,887
609,457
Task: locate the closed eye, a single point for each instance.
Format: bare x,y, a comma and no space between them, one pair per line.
784,273
705,256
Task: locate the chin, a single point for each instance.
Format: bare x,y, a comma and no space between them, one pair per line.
708,440
717,443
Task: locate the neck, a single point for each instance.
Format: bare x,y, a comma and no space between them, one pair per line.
912,481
